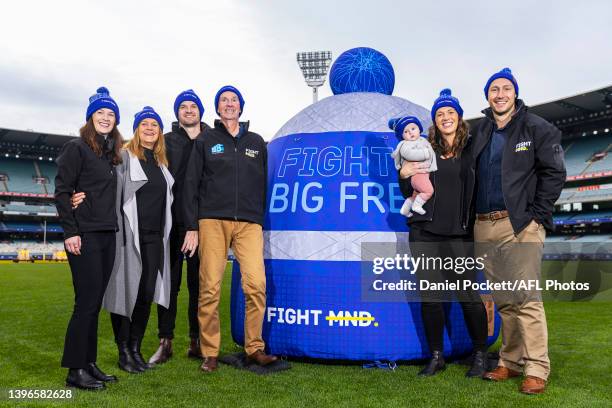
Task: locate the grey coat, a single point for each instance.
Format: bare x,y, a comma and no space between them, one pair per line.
122,289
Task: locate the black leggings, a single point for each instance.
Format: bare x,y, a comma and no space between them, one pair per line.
91,272
433,302
151,250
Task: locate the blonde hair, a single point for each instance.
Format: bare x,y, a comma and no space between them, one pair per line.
159,150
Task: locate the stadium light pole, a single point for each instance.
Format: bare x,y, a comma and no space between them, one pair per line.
314,66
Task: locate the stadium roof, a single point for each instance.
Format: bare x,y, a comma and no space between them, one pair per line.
27,142
576,110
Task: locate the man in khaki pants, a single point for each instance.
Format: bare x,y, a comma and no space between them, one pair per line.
520,172
225,200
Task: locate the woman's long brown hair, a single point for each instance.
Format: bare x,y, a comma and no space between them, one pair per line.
88,133
439,145
159,150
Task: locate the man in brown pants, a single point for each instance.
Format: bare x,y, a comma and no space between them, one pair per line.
225,199
520,172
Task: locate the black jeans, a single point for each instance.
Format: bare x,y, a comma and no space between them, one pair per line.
91,272
151,250
432,306
166,318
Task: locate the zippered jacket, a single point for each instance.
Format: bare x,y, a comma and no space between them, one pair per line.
226,177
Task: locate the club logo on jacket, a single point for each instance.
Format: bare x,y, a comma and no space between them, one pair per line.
522,147
251,153
217,149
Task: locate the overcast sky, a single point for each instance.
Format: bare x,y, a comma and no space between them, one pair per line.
54,54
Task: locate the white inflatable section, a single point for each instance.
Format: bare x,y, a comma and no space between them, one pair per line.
325,245
360,111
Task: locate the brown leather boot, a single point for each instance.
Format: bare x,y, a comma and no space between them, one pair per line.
260,358
533,385
209,364
163,352
500,374
194,349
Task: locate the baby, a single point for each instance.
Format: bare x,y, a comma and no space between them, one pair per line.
412,147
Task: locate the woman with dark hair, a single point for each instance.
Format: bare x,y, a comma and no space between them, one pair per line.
88,164
141,273
445,230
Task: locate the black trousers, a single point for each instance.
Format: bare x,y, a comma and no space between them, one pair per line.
151,251
166,318
91,272
433,302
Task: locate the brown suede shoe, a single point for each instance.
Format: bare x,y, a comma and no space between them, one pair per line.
260,358
533,385
194,349
500,374
209,365
163,352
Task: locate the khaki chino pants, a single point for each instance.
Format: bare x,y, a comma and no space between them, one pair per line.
509,257
246,240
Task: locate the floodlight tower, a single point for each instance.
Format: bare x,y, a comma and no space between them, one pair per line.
314,66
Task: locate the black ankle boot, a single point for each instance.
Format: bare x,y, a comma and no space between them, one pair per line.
137,356
80,378
98,374
434,365
479,364
126,360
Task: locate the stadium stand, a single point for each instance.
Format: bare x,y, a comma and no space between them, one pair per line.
579,152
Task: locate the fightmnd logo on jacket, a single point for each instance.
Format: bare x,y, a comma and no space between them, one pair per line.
217,149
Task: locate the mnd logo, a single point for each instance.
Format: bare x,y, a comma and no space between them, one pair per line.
522,147
217,149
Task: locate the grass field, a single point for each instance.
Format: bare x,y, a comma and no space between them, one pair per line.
36,302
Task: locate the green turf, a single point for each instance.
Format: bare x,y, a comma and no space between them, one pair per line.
35,306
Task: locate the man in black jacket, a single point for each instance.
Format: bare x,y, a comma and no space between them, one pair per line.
520,172
189,112
225,200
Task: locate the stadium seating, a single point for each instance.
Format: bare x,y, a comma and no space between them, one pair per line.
20,173
579,151
49,170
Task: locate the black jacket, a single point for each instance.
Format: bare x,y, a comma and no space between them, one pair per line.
226,177
80,169
467,191
178,150
533,168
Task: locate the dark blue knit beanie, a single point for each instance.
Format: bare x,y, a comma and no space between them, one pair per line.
399,124
146,113
188,95
504,73
231,89
101,99
446,99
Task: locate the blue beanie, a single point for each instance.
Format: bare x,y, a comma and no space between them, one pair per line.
188,95
446,99
101,99
146,113
504,73
399,124
231,89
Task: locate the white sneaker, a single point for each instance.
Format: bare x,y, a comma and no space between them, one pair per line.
405,210
417,206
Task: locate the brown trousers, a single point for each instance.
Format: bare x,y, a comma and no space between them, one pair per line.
246,240
517,257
